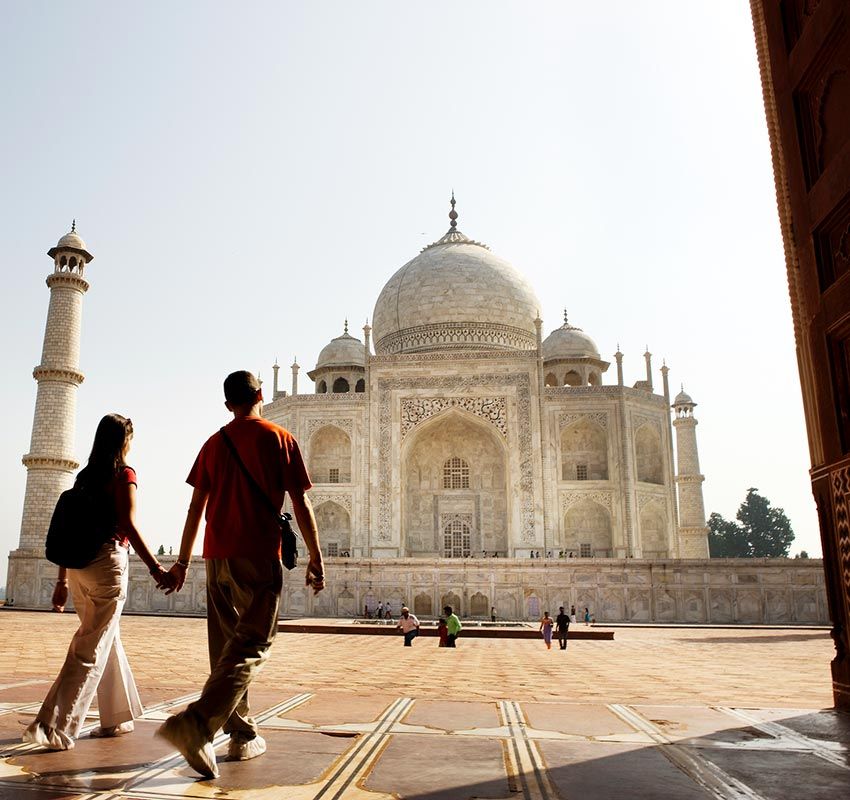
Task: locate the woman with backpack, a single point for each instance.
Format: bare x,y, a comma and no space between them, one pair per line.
96,662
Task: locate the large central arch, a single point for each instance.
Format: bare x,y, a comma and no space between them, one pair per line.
454,470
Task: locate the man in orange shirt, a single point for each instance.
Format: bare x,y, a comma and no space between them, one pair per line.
244,573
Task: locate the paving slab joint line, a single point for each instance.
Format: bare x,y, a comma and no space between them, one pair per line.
699,769
347,777
780,731
524,757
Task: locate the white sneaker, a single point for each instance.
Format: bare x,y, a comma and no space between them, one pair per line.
112,730
198,753
241,749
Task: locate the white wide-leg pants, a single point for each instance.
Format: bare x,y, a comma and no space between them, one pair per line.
96,662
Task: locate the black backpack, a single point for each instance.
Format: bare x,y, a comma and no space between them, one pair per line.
84,518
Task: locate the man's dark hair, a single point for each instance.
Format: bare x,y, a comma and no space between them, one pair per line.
449,610
240,388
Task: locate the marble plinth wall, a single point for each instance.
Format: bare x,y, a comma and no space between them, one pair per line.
756,591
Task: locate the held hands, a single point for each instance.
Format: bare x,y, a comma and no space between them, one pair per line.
316,574
174,579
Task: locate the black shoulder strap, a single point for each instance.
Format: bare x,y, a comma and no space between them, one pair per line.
258,490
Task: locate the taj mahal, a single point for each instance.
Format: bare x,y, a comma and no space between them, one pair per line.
462,455
467,432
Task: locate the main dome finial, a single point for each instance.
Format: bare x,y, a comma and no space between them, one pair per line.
453,213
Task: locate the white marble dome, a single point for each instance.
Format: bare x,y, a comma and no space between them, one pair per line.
683,399
344,351
71,241
569,342
455,295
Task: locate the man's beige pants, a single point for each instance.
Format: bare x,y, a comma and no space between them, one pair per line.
243,598
96,662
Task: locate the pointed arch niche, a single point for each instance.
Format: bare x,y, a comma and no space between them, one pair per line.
479,498
648,454
329,459
587,530
653,532
334,523
584,452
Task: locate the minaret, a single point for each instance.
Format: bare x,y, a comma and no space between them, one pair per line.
275,371
50,461
693,532
295,368
619,358
648,358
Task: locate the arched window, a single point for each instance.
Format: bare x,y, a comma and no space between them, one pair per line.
360,386
551,380
572,378
341,386
455,474
584,452
594,379
456,540
321,388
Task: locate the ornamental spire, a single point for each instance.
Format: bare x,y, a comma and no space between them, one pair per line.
345,328
453,213
74,225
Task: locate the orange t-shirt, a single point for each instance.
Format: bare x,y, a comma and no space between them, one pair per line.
239,523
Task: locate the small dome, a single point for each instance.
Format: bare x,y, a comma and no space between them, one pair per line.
344,351
683,399
569,342
71,241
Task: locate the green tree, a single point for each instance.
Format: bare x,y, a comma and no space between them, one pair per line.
161,551
802,554
760,532
725,538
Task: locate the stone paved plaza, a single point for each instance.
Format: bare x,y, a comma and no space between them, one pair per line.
657,713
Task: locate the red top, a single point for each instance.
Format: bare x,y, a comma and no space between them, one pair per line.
239,524
125,477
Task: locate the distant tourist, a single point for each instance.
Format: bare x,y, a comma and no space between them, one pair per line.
492,613
408,625
562,625
96,662
443,632
573,617
571,554
240,478
546,629
379,614
453,625
366,613
586,616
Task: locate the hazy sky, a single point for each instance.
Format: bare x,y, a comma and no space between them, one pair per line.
248,175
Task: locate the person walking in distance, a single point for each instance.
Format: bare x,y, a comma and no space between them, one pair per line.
453,625
586,616
96,663
379,614
242,552
573,617
442,633
546,629
408,625
562,625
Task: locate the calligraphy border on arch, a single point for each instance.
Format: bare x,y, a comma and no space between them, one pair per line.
415,410
453,384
